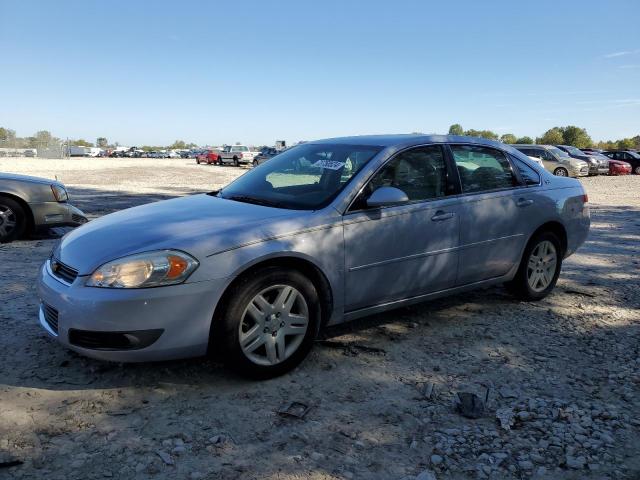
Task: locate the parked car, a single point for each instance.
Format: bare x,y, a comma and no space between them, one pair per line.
237,155
30,152
618,167
555,160
31,204
252,272
264,155
632,158
208,157
537,161
596,166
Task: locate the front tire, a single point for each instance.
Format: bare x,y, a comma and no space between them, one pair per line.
561,172
269,323
13,220
637,170
539,268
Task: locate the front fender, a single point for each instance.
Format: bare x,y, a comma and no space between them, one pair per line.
323,248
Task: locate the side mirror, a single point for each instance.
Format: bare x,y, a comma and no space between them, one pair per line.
387,196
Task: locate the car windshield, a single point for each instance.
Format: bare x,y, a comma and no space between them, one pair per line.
557,152
574,151
634,155
306,177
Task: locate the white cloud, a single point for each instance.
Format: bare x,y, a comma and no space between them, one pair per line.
621,54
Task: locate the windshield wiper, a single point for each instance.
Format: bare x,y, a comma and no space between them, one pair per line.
255,201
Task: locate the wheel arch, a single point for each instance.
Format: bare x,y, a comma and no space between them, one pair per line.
557,229
290,261
25,206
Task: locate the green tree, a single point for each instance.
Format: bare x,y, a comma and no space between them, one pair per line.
576,136
482,134
508,138
456,129
625,144
178,144
80,143
553,136
102,142
525,140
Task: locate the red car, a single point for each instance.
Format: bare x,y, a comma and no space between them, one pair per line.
209,157
618,167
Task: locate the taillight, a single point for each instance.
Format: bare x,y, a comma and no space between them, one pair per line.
585,198
240,155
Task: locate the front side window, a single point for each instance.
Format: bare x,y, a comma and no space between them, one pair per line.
421,173
306,177
482,169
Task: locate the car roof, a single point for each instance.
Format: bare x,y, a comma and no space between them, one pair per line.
404,140
531,145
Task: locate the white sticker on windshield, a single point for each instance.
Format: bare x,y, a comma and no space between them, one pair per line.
329,164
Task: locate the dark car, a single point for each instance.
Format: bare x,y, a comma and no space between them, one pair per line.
596,167
632,158
264,155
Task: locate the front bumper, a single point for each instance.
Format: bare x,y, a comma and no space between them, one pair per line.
182,312
575,171
56,214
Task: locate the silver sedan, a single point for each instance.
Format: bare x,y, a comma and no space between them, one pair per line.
31,204
325,232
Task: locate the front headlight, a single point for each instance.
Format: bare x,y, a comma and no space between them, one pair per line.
59,193
149,269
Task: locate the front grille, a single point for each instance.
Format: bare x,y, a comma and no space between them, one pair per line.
62,271
50,316
78,218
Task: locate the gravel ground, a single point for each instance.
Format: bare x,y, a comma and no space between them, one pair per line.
562,375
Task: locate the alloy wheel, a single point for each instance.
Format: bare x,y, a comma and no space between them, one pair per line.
273,325
541,267
8,221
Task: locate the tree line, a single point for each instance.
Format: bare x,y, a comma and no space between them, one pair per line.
8,138
569,135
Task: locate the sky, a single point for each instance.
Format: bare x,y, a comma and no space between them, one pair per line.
213,72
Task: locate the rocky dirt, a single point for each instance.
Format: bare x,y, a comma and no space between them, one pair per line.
561,376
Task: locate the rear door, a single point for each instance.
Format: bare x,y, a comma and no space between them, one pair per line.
405,250
493,224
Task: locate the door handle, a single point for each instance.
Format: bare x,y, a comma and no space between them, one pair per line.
440,216
523,202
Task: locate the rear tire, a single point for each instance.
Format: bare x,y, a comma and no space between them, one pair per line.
561,172
257,338
539,268
236,162
637,170
13,220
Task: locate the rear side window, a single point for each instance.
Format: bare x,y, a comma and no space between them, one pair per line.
482,169
528,174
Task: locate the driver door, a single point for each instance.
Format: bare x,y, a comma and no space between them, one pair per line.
400,251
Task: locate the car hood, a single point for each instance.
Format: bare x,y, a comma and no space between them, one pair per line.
27,178
199,225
